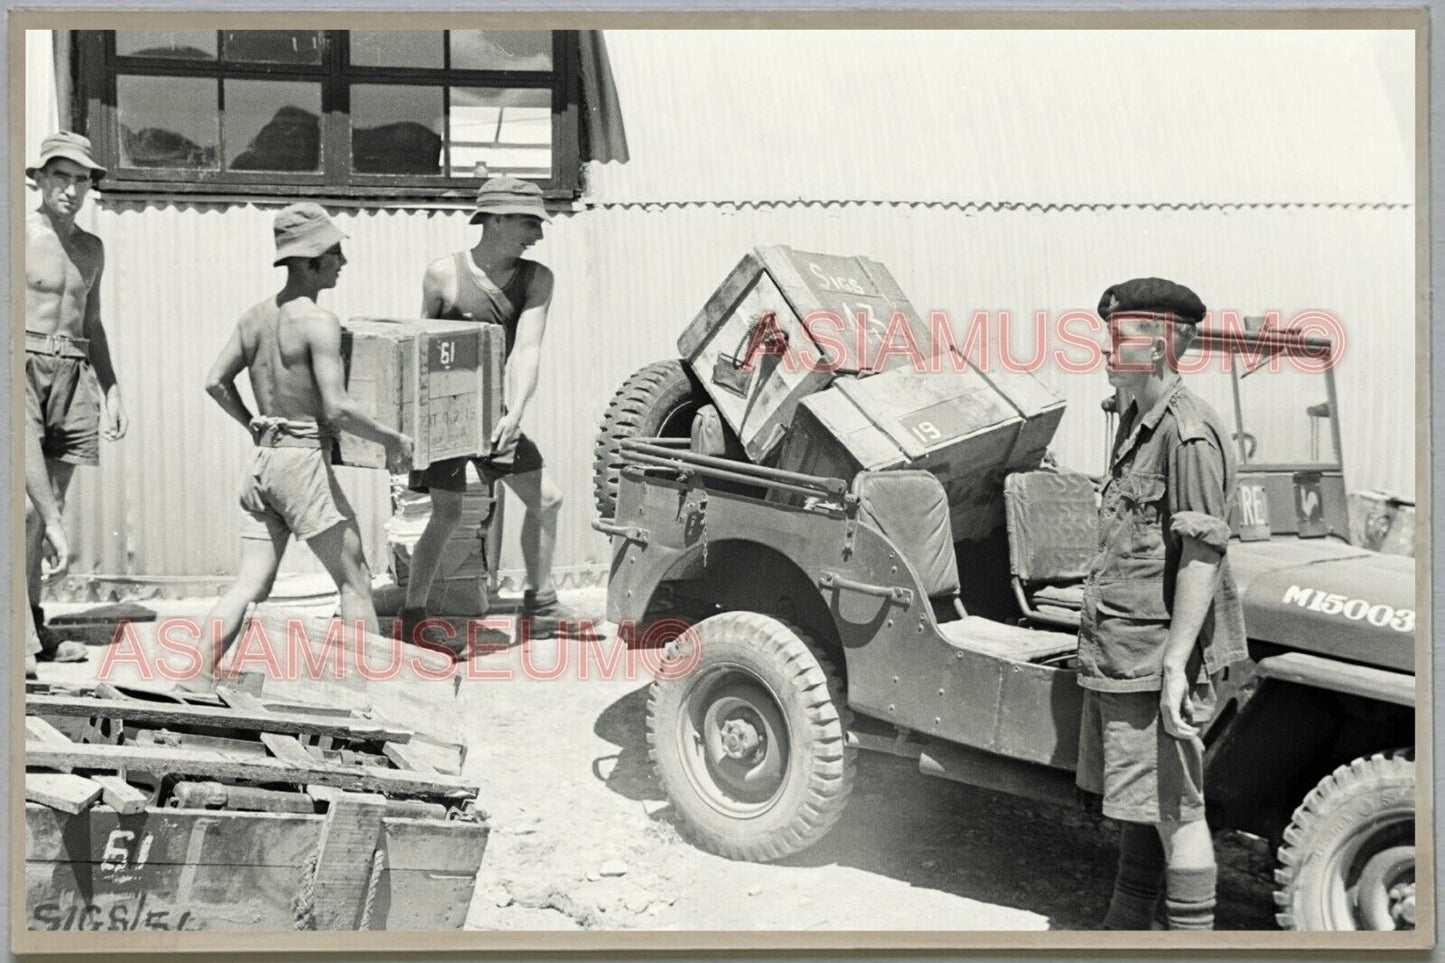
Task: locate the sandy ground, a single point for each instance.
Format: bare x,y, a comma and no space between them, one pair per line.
582,836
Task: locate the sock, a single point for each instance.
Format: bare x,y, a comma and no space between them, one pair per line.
1190,898
533,599
1139,881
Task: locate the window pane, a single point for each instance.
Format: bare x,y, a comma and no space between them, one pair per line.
274,46
502,49
167,121
396,48
508,131
396,129
273,125
174,44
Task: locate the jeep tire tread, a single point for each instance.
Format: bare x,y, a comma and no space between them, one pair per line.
770,673
1347,860
658,400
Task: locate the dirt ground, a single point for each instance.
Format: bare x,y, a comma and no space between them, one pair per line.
582,835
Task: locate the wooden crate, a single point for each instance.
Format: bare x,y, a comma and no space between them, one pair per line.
771,292
236,812
968,428
438,381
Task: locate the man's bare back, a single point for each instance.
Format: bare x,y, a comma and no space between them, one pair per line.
60,275
277,344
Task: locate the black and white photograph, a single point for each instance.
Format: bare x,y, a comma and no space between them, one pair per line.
493,481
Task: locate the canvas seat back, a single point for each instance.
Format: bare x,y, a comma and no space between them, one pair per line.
911,509
1053,526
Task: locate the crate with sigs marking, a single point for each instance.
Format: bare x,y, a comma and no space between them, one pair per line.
784,324
438,381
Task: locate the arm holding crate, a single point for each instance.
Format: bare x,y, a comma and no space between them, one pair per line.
526,358
323,334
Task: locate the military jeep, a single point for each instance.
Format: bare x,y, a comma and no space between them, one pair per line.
827,615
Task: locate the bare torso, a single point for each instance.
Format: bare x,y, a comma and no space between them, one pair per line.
60,273
278,357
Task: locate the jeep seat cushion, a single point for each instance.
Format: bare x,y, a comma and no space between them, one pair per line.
1009,641
910,508
1053,525
1062,596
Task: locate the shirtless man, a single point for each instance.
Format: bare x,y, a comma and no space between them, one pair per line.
493,283
64,343
292,350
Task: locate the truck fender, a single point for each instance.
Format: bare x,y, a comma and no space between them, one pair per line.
1303,668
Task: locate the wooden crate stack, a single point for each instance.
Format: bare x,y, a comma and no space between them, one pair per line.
145,811
460,588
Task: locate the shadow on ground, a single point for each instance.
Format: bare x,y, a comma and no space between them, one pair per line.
624,725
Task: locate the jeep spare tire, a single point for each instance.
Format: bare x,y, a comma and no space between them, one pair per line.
750,745
1348,857
658,401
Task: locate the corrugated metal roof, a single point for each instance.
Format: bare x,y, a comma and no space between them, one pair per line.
1047,116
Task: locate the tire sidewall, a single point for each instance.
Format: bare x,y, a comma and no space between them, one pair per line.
1362,802
750,655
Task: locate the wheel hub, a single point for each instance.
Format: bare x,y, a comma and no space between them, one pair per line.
1402,904
740,738
738,741
1385,893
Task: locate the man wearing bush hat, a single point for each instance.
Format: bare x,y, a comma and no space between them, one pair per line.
1161,614
290,348
66,355
493,283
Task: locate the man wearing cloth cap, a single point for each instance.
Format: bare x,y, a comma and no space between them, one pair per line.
493,283
1161,614
291,348
66,351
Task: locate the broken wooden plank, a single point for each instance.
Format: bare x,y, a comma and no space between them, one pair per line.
192,763
350,838
39,730
60,790
285,748
144,692
172,714
228,748
121,795
406,757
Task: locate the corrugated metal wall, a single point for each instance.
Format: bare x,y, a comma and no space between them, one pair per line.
1047,229
630,278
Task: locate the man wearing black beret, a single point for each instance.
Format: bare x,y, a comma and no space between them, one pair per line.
1161,614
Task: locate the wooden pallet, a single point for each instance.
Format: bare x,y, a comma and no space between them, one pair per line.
149,810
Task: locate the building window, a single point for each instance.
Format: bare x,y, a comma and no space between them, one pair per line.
330,112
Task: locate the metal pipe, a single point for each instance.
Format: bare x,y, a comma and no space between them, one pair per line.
683,468
833,486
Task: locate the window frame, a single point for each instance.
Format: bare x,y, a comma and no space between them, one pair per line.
95,108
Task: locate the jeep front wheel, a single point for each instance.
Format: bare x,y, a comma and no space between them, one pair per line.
1348,857
750,745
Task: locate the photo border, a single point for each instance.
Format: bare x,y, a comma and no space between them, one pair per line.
652,941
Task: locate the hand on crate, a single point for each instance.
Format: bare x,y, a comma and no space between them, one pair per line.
398,454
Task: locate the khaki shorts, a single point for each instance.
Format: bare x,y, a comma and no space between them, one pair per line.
292,490
62,408
450,475
1144,774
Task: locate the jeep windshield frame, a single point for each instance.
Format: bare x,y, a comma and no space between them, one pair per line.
1246,356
